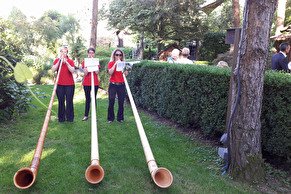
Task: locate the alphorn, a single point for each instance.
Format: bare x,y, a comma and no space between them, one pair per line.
161,176
25,177
94,173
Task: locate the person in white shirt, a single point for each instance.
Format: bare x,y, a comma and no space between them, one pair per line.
175,56
185,55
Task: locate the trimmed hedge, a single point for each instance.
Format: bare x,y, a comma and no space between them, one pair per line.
103,75
182,92
197,96
276,115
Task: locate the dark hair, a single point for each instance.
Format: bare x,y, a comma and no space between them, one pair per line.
91,49
283,46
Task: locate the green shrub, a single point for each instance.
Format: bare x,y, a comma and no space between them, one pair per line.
13,96
103,52
203,63
197,96
41,67
153,53
38,78
213,43
127,52
276,109
103,75
178,92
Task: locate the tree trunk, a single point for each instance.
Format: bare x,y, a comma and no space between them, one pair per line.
236,19
120,38
141,47
150,54
159,47
93,39
197,50
236,13
245,153
280,16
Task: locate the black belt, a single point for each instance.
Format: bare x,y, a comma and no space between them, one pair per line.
118,84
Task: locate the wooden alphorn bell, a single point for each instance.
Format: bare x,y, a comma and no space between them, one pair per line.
25,177
94,173
161,176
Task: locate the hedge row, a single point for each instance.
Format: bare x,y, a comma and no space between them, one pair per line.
197,96
193,96
276,115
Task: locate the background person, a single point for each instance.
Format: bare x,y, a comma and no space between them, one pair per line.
184,59
222,64
87,83
116,86
174,57
66,86
279,60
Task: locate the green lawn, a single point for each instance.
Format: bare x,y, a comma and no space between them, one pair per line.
66,154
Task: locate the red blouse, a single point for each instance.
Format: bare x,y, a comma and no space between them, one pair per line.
66,77
117,76
87,78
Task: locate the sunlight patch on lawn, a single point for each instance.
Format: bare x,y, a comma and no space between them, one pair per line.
28,157
102,96
80,95
6,158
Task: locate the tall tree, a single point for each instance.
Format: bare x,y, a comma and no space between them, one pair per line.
245,151
48,27
23,29
93,38
280,16
70,28
159,20
236,13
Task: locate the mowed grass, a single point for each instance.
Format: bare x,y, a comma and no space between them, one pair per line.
67,151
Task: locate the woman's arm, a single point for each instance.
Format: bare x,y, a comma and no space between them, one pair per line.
71,69
111,71
85,71
56,66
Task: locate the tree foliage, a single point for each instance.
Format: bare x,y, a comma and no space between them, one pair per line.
21,27
159,20
288,13
48,28
48,32
221,18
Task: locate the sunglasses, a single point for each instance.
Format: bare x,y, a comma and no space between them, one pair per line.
118,55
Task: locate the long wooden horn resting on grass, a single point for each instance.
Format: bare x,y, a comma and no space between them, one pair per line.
25,177
161,176
94,173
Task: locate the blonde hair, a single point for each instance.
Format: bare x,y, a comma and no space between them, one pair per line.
64,47
185,52
222,64
175,52
112,58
